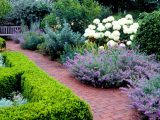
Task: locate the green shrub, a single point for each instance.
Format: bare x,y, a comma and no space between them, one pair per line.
31,40
28,10
148,35
32,37
78,14
50,20
5,7
56,41
47,98
2,44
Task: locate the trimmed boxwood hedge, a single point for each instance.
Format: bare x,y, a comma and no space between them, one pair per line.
48,99
2,44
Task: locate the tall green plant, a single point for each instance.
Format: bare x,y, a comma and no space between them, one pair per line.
28,10
5,7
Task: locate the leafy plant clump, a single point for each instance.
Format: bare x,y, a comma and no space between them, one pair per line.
28,10
2,44
148,34
112,68
55,41
32,37
146,98
5,7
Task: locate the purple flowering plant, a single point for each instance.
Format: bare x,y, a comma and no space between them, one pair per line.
112,68
146,98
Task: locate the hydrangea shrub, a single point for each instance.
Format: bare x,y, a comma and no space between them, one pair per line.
112,32
146,98
112,68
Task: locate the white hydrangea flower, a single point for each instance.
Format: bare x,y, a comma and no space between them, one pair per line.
108,25
115,23
122,45
125,26
116,33
122,21
85,35
96,21
129,43
87,30
129,16
110,19
97,35
134,30
129,31
135,25
129,22
101,48
116,27
104,20
92,27
101,34
131,37
91,33
116,38
107,33
112,43
101,27
111,36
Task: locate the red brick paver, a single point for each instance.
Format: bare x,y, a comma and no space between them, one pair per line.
106,104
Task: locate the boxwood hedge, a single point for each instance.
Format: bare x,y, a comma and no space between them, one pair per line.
48,99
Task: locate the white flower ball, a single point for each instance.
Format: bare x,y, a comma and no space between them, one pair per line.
108,25
97,35
101,28
129,16
91,33
129,31
101,34
112,43
87,30
135,25
101,48
107,33
122,45
110,19
85,35
96,21
129,43
131,37
125,26
116,27
129,22
104,20
116,33
92,27
115,23
134,30
116,38
122,21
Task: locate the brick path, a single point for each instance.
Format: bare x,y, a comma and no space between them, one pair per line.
106,104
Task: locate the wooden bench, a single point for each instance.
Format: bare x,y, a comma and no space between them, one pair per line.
9,30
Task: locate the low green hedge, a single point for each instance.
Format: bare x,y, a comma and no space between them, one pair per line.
48,99
2,44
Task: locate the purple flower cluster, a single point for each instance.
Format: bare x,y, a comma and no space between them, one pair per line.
112,68
146,97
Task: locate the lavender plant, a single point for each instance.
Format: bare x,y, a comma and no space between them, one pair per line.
112,68
146,98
